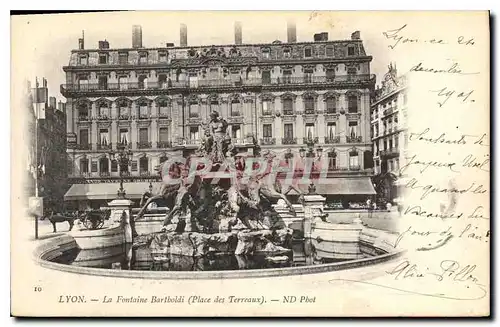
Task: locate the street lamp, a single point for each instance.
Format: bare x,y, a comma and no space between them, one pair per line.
123,157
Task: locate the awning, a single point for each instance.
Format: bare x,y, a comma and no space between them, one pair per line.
107,191
340,186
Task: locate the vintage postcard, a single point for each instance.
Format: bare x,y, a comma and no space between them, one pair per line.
319,163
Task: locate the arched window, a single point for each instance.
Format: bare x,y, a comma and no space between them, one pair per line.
331,104
164,108
83,111
143,82
309,104
235,107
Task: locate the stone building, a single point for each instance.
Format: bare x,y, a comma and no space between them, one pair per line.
292,98
51,166
389,132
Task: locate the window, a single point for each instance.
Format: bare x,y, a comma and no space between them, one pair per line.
143,111
83,112
143,135
84,165
103,82
193,80
330,74
390,143
84,136
83,60
162,81
267,130
123,111
114,166
266,77
235,108
124,136
133,166
104,111
287,53
143,165
104,165
163,158
83,84
288,131
308,52
309,104
123,58
353,129
309,131
266,107
287,106
331,105
194,133
236,131
352,104
332,161
163,134
329,51
123,83
266,53
331,131
352,71
194,110
353,160
103,136
308,75
396,142
163,109
143,82
350,50
385,144
103,58
287,76
143,58
163,56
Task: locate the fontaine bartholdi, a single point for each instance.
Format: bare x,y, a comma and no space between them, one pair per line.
220,200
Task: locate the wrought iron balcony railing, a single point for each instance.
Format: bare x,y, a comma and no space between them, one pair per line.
267,141
267,112
310,112
354,139
145,173
124,117
164,115
289,140
104,174
83,118
392,152
164,144
332,140
144,145
102,117
311,140
288,112
104,146
211,83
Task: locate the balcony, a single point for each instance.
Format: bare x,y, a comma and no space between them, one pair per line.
144,145
267,113
144,116
82,146
102,117
104,174
268,141
84,118
215,83
331,111
163,115
164,144
194,115
288,112
332,140
310,112
354,139
145,173
105,146
310,140
289,140
390,153
124,117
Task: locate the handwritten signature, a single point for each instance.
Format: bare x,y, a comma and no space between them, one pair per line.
452,272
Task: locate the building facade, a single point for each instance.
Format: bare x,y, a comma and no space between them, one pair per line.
389,132
292,98
48,162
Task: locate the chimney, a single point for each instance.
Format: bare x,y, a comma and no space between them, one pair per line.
238,35
52,102
103,44
291,32
81,42
136,36
184,35
356,35
170,45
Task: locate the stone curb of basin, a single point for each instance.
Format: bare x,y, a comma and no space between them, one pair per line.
57,245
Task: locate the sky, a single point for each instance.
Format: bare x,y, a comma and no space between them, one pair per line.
42,43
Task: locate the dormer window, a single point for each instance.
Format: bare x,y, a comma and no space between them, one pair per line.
266,53
83,60
103,58
350,50
143,58
308,52
287,53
